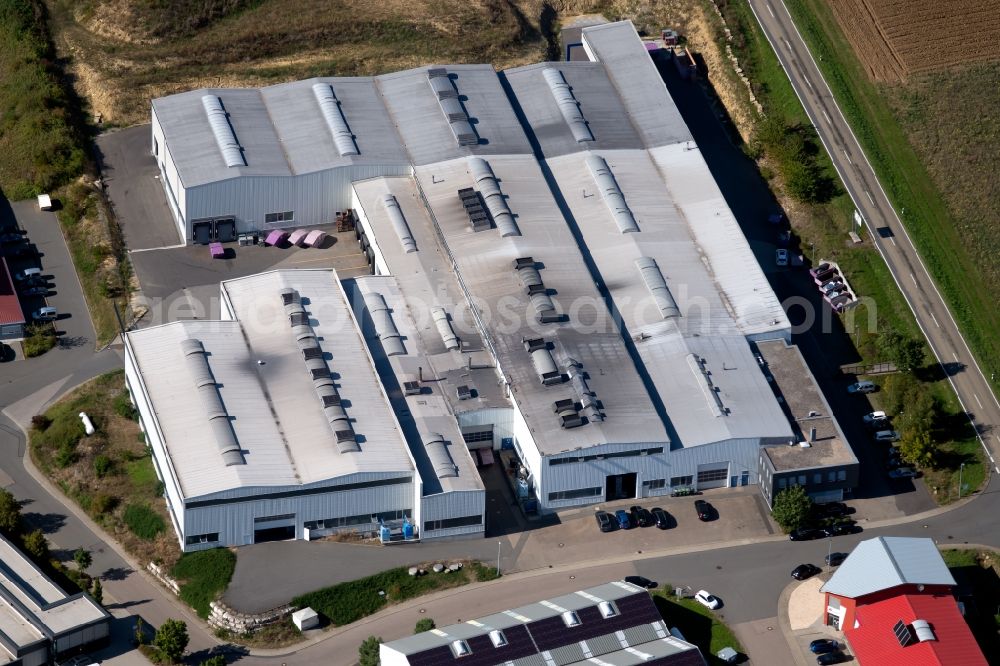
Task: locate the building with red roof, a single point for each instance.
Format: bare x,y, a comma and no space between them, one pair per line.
11,316
892,598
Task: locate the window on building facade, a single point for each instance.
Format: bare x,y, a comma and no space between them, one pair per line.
574,494
818,478
681,481
447,523
831,476
606,456
841,475
802,479
712,475
480,436
782,483
655,484
274,218
212,537
348,521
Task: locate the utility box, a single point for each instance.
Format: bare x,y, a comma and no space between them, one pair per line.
304,619
44,202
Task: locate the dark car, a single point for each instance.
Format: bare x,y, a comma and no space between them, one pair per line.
624,522
35,291
823,645
640,516
605,521
12,237
833,509
832,658
641,581
804,571
805,534
835,559
839,529
661,517
704,509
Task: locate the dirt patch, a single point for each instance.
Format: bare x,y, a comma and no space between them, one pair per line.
897,38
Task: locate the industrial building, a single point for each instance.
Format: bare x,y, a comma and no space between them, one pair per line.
39,623
616,624
582,300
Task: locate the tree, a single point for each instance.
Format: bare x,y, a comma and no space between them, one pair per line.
140,632
215,660
83,559
368,652
172,639
909,354
98,591
10,514
918,448
37,546
791,508
423,624
919,412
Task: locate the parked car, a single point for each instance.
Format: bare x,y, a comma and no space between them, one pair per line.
661,517
624,522
840,529
44,314
825,276
35,291
886,436
703,508
640,517
805,534
832,658
781,257
831,509
604,521
903,473
27,274
641,581
708,600
804,571
784,236
874,417
862,387
823,645
833,560
11,237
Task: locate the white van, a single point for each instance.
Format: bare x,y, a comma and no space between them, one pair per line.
887,436
28,273
44,314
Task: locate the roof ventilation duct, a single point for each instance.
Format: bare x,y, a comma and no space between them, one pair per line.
385,328
451,107
588,399
612,194
336,417
472,201
545,365
444,328
395,214
486,181
441,460
923,630
335,120
208,392
707,388
531,279
225,137
568,105
657,286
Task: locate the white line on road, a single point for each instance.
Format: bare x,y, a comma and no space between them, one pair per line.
848,156
976,396
893,241
808,82
935,319
770,11
956,356
870,197
914,279
828,121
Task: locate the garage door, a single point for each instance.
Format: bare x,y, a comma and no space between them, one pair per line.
225,230
712,475
202,232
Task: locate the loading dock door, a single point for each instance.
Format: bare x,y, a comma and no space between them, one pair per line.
620,486
225,230
202,232
713,475
284,533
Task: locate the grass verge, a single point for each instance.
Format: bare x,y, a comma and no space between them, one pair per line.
978,572
698,624
348,602
203,576
905,179
108,472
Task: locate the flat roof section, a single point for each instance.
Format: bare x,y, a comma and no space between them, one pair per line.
808,409
588,336
422,125
430,412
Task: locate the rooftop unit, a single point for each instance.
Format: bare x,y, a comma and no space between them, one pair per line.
541,359
531,279
473,204
448,99
489,189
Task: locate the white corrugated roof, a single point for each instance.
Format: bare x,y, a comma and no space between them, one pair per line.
885,562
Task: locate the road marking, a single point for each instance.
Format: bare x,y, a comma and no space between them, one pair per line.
935,319
827,116
770,11
956,356
893,241
848,156
977,400
914,280
808,82
870,197
787,45
162,247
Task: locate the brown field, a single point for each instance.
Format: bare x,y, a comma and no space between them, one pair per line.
897,38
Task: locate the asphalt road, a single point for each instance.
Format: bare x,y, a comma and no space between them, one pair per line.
933,316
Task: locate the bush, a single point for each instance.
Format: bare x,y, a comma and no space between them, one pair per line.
791,508
203,576
124,407
40,338
103,504
64,432
214,660
423,624
484,573
40,422
102,465
143,521
368,652
37,546
10,514
66,455
172,639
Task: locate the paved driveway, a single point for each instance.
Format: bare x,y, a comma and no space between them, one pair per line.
133,185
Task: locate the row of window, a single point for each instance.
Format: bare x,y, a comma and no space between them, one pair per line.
832,476
606,456
713,475
575,494
480,436
654,484
447,523
681,481
192,539
350,521
274,218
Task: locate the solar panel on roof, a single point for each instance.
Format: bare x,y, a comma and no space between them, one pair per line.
902,633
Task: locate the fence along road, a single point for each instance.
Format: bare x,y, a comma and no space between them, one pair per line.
909,272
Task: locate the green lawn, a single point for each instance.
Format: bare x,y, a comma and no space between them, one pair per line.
203,576
698,625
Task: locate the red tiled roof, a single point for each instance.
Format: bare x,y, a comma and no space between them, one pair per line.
10,308
874,643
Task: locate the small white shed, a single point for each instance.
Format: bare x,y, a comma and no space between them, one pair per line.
304,619
44,202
